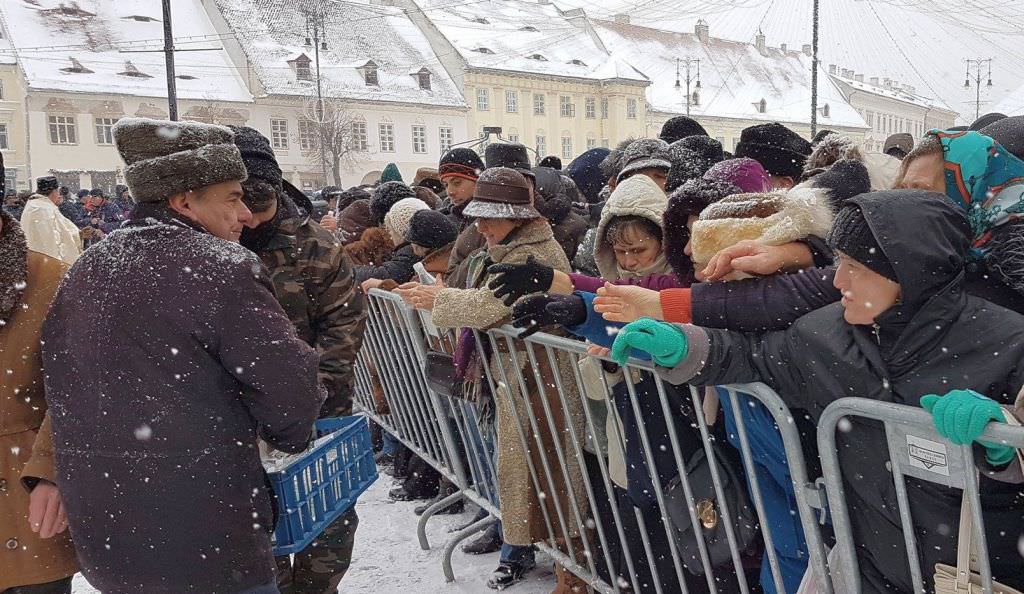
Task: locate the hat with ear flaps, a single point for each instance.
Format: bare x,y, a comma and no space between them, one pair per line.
165,158
771,218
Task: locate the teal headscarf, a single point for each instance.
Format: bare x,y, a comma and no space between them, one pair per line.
984,179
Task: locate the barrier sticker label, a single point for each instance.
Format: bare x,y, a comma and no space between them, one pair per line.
928,455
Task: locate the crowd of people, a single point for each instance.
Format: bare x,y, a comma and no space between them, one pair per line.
153,338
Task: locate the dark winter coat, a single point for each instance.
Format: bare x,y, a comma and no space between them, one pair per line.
397,268
569,228
935,340
156,454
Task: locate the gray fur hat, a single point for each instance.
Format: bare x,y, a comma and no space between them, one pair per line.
165,158
645,153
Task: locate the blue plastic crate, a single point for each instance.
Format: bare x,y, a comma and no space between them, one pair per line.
323,483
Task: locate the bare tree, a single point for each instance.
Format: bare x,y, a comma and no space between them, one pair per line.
331,138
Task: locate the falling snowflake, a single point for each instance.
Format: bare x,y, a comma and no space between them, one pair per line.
143,432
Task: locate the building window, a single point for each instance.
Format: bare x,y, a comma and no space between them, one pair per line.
424,79
307,134
567,147
538,104
631,109
567,108
302,70
511,101
419,139
63,130
513,138
104,130
359,140
762,106
591,143
604,108
483,100
1,90
541,145
590,108
3,137
447,137
604,142
387,137
279,133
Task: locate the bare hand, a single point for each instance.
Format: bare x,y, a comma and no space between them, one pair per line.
406,292
627,303
753,258
46,513
371,283
423,296
329,222
598,351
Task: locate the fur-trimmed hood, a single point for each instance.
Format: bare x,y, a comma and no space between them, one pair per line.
13,266
772,218
635,196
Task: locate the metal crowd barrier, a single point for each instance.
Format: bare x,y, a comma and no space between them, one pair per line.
586,520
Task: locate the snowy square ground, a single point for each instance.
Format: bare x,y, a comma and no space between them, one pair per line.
388,560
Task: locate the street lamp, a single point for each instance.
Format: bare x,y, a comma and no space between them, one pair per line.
688,61
977,64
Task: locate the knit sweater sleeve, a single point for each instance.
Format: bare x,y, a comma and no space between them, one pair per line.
654,282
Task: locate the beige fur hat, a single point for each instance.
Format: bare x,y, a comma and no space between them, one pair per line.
772,218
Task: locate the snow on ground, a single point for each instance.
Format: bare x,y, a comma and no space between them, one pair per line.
388,560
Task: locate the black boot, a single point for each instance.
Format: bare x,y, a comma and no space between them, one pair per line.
487,542
509,573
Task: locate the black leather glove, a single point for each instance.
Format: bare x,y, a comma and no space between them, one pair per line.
516,280
538,311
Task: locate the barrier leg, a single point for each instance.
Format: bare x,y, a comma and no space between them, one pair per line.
461,535
421,527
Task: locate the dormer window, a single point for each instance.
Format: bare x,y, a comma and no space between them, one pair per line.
529,28
369,71
538,57
826,111
577,62
761,106
301,65
481,20
76,68
483,50
423,78
132,71
141,18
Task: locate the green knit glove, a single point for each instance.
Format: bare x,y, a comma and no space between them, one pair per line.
961,415
665,342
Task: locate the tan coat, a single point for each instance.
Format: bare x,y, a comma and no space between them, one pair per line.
523,520
26,453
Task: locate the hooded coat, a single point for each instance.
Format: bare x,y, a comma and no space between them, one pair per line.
158,389
640,198
936,339
28,282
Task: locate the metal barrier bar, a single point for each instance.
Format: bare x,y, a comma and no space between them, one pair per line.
959,472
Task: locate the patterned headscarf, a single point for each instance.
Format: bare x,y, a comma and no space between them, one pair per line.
984,179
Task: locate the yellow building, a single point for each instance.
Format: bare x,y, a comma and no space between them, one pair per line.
13,139
539,73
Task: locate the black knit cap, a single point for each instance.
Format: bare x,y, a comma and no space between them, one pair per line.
780,150
96,192
509,154
461,162
691,158
257,155
681,127
385,196
45,185
551,161
431,229
852,236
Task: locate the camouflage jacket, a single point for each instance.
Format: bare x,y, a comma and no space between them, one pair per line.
314,284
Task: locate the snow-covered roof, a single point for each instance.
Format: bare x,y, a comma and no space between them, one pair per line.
47,35
526,37
901,93
273,32
734,76
1012,104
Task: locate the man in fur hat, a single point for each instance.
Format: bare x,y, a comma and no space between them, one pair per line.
166,355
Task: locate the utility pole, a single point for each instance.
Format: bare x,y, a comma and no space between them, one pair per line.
814,72
978,64
317,21
688,61
172,89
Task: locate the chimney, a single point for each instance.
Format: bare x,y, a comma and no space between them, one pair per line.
886,82
760,42
622,18
703,31
832,69
873,80
807,50
783,47
859,78
847,73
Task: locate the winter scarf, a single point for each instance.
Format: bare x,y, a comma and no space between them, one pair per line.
13,266
659,266
258,238
985,180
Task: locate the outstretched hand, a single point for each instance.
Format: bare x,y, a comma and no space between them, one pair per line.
665,342
538,311
627,303
751,257
513,281
961,416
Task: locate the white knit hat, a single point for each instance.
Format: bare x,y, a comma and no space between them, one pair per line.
399,217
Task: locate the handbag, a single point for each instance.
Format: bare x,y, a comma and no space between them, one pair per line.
708,510
440,372
965,578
